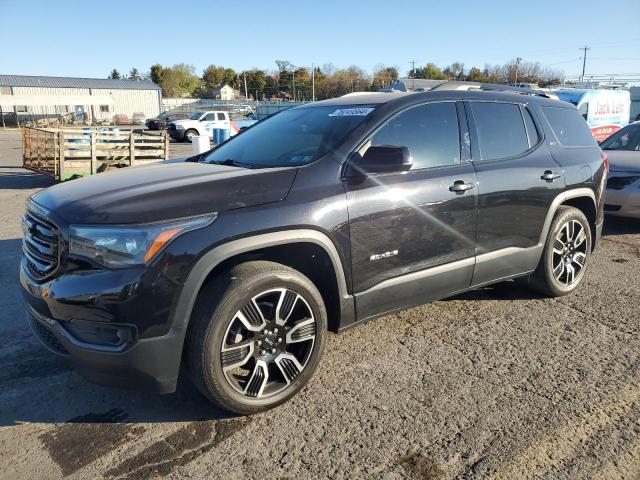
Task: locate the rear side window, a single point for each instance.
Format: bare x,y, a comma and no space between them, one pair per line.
430,132
569,127
500,128
220,116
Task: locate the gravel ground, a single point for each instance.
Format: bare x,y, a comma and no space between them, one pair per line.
496,383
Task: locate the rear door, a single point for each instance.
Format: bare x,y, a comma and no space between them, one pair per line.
518,180
412,235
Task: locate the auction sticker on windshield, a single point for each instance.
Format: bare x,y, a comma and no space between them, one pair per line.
352,112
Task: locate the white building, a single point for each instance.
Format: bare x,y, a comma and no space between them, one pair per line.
225,93
96,99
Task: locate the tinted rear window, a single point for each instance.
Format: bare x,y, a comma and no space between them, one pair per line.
500,128
569,127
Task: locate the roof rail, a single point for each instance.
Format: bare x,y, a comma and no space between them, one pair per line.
456,85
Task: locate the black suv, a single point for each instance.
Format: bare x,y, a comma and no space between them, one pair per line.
165,118
233,265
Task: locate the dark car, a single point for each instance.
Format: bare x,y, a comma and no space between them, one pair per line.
165,118
233,266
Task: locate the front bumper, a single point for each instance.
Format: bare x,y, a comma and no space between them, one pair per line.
148,364
101,350
623,202
176,134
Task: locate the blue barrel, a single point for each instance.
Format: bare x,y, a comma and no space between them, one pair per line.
220,135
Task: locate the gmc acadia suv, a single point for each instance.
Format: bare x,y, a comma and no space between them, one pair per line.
233,265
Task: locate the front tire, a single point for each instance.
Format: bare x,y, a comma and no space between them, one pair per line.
189,134
256,336
566,254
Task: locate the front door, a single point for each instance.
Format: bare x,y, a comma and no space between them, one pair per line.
413,233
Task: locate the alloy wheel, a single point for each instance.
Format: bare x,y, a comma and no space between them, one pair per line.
569,253
267,343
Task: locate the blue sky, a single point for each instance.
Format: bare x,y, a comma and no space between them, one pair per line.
89,38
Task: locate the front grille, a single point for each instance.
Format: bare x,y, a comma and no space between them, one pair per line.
618,183
40,245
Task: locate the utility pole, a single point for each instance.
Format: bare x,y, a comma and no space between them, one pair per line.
246,94
313,82
518,60
413,74
293,80
584,61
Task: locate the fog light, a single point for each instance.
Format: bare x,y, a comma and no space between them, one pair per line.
97,333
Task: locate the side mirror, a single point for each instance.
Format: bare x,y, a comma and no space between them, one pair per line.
380,159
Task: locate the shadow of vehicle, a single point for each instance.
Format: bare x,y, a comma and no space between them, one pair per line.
620,226
14,178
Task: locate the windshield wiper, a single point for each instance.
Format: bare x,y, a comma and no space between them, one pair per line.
233,163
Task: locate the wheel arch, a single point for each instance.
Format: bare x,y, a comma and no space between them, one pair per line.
584,199
308,251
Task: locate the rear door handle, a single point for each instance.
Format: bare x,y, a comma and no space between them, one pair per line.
460,186
549,176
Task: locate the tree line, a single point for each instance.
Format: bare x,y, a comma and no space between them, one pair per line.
297,82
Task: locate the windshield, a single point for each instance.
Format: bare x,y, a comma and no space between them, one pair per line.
293,137
626,139
195,116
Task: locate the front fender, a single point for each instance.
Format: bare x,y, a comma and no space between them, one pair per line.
205,265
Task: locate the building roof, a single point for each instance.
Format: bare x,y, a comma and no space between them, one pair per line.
66,82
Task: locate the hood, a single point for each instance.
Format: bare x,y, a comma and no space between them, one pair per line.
623,160
182,120
164,191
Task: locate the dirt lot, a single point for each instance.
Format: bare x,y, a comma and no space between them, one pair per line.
498,383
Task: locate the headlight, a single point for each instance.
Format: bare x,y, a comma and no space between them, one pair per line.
129,245
178,126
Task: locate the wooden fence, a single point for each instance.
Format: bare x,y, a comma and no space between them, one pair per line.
69,153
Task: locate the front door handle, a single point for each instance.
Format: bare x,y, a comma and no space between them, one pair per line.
460,187
549,176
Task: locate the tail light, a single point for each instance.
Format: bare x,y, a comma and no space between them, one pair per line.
605,161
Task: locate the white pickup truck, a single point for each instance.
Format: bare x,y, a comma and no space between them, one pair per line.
199,123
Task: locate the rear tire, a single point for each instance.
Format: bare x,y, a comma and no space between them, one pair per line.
256,336
566,254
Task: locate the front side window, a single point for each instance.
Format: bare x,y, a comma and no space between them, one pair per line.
569,127
430,132
209,117
584,110
626,139
292,137
500,128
